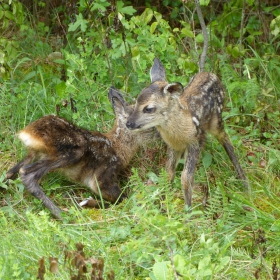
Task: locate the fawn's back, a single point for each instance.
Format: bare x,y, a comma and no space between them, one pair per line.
53,138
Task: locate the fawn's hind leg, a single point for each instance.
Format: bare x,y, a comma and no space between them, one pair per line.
32,173
224,140
11,174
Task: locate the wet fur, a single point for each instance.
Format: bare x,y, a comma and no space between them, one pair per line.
91,158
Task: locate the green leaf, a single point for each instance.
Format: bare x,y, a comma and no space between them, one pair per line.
153,177
158,16
207,160
100,5
79,22
29,76
223,262
21,62
187,32
199,38
235,52
153,27
135,51
147,15
160,270
125,10
2,57
275,26
204,2
204,263
61,89
202,238
180,264
9,15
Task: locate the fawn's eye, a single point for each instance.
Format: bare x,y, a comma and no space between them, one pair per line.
149,110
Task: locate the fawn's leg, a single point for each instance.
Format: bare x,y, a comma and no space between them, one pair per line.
32,173
224,140
187,178
11,174
172,162
32,185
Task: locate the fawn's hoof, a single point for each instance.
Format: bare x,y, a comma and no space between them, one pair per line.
90,202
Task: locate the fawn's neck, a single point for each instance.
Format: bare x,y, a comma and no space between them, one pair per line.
124,144
177,130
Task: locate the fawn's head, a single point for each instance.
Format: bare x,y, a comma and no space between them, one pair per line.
121,109
126,142
120,130
153,103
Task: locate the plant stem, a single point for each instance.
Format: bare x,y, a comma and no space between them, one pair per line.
241,31
205,36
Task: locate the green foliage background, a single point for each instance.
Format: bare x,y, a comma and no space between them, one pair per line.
62,58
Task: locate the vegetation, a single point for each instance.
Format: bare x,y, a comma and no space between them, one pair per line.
61,59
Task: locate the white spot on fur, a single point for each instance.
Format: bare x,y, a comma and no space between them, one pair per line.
195,120
102,139
114,158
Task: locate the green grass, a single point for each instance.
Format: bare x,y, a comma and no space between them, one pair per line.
150,235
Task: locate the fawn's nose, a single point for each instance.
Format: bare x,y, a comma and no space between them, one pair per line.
130,125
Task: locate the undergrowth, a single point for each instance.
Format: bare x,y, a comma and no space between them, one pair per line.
151,235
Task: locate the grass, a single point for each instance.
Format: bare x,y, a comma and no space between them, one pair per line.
150,235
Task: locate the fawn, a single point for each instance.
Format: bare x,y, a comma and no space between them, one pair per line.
183,116
91,158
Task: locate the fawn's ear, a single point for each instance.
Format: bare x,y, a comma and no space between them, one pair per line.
174,89
157,72
118,103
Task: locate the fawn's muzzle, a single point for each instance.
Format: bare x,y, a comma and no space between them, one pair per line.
132,125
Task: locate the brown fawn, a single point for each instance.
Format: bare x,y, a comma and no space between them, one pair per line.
183,116
91,158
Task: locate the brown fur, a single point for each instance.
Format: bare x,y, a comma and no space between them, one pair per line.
91,158
183,116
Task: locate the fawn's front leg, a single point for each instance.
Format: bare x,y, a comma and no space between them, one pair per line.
187,178
172,162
